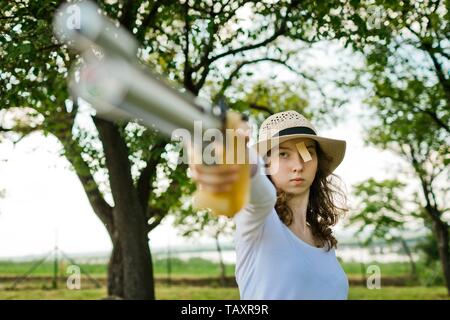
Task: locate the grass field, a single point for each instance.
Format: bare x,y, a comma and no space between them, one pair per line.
195,279
207,293
192,267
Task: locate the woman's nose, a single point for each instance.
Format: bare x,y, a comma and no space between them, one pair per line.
298,163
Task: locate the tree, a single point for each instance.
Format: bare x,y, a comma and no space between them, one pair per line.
407,51
118,163
383,214
424,144
407,59
425,147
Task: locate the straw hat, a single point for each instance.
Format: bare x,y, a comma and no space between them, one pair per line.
287,125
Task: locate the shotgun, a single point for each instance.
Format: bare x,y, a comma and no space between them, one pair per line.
120,88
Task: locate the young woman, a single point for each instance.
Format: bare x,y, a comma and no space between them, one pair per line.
284,242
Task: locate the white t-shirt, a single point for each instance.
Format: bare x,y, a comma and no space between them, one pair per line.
272,262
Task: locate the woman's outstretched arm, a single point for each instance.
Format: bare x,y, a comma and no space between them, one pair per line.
250,219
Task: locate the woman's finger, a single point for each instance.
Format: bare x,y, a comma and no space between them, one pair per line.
213,179
214,188
219,169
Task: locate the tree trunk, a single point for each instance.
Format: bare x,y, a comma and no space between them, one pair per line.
222,264
130,223
441,232
115,272
440,228
136,259
130,270
410,257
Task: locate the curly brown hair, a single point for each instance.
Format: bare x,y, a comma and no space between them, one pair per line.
322,211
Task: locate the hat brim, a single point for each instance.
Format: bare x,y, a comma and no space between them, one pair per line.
333,148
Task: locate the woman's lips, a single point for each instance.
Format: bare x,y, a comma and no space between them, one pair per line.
297,180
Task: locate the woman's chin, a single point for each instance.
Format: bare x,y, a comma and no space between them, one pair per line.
297,190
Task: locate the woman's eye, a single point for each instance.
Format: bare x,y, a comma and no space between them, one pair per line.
283,154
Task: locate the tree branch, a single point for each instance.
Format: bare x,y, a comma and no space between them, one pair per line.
148,173
73,154
441,76
101,208
53,46
426,188
209,45
187,81
428,48
175,192
22,131
150,18
261,108
280,31
235,72
442,52
431,113
127,15
434,116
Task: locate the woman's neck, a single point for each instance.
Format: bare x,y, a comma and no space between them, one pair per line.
299,204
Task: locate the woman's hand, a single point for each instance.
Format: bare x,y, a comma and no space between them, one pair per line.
217,177
214,178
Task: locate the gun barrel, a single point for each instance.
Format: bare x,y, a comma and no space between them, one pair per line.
121,91
116,85
81,26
